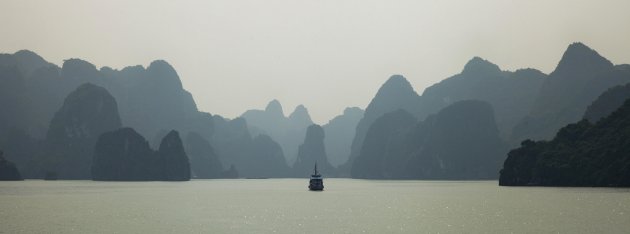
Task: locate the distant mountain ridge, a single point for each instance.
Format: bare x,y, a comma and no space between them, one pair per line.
204,162
396,93
459,142
339,133
288,131
312,152
511,94
580,77
150,100
143,94
525,104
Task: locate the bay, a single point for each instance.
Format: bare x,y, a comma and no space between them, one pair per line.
286,206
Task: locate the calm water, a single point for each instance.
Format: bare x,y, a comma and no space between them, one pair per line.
285,206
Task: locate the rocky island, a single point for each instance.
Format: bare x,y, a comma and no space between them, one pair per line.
581,154
8,171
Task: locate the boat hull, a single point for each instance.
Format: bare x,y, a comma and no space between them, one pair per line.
316,185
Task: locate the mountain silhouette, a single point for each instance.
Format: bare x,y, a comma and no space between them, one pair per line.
313,151
287,131
124,155
86,113
459,142
149,100
339,133
252,157
470,126
580,77
608,102
25,61
382,144
39,137
396,93
204,162
173,159
511,94
13,101
269,160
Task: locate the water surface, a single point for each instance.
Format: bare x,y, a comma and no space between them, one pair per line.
285,206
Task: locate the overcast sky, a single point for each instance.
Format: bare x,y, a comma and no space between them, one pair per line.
235,55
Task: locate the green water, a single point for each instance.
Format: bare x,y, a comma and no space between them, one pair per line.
285,206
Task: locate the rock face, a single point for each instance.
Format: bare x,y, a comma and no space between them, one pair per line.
173,158
299,118
381,147
204,162
313,151
8,171
581,154
339,134
86,113
511,94
395,94
13,101
580,77
608,102
231,140
25,151
287,131
17,115
158,101
124,155
267,159
19,76
46,91
252,157
460,142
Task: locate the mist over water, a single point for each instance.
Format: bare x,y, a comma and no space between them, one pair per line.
285,206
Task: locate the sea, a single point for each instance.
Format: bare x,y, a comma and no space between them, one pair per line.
286,206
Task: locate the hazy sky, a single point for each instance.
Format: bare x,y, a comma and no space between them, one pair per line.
234,55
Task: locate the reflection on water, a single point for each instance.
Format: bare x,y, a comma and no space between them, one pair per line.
286,206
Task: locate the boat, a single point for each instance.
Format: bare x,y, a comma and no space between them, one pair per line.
317,181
